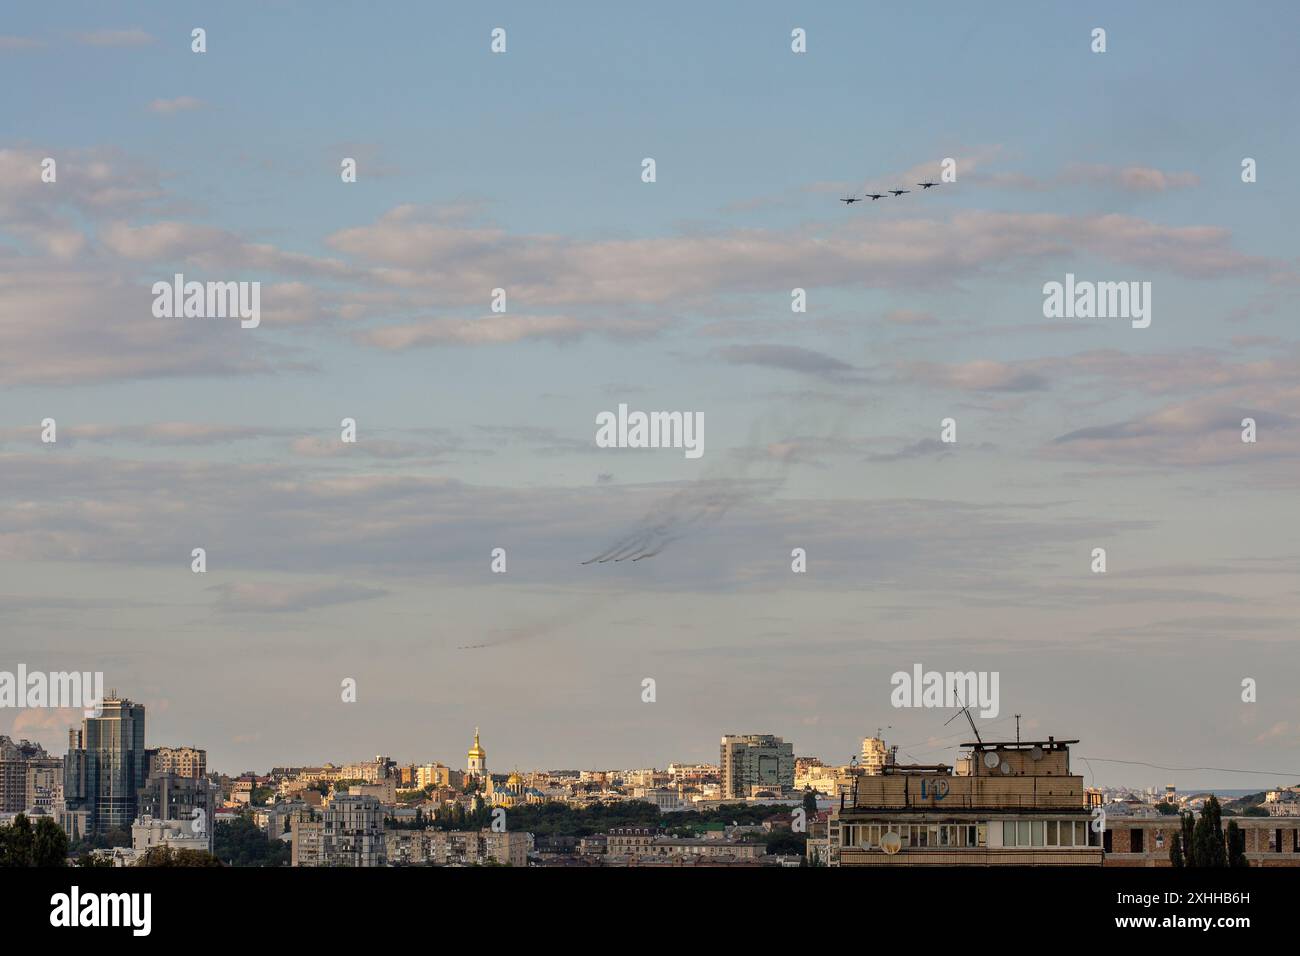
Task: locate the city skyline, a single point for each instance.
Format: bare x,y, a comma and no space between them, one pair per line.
478,429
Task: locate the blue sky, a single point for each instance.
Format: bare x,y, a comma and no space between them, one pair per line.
523,171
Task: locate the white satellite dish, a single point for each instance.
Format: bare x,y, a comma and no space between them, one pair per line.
1006,767
991,759
891,843
1036,753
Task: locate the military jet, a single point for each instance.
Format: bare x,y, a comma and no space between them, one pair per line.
874,196
850,200
927,185
899,192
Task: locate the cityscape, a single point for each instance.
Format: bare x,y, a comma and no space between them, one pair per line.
482,439
117,802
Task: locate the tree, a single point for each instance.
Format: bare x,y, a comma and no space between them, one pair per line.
22,844
1186,832
166,856
16,842
243,843
1236,846
1176,849
1208,836
49,844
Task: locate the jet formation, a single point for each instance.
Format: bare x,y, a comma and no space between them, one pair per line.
851,199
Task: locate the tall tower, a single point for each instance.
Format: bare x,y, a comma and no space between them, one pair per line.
476,765
106,764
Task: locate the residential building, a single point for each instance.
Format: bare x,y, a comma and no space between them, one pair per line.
349,832
1009,803
181,761
1270,841
188,801
755,762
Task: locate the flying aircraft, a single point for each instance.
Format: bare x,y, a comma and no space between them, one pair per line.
850,200
874,196
899,192
927,185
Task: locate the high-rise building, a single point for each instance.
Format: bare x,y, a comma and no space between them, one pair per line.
875,756
751,762
18,761
182,761
106,765
170,797
349,832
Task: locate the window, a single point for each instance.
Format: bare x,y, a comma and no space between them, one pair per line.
1136,840
1066,836
1052,833
1009,833
1022,833
1036,830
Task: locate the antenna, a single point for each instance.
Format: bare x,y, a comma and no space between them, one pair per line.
966,710
1017,728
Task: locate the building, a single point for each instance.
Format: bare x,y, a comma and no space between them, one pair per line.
349,832
875,755
433,775
432,847
106,765
1270,841
181,761
753,762
476,760
1010,803
187,801
25,768
147,833
624,845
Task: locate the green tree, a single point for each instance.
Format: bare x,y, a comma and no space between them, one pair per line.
243,843
16,842
49,844
1236,845
1208,837
166,856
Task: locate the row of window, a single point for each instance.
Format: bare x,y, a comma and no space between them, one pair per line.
867,835
1015,833
1044,833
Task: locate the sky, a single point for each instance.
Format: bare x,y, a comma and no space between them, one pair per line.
523,170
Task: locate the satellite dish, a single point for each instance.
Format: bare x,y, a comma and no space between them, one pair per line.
1036,753
990,759
891,843
1006,767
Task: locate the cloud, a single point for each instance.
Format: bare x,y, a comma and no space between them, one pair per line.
790,358
980,375
909,317
268,597
180,104
1129,178
1204,431
20,43
116,38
